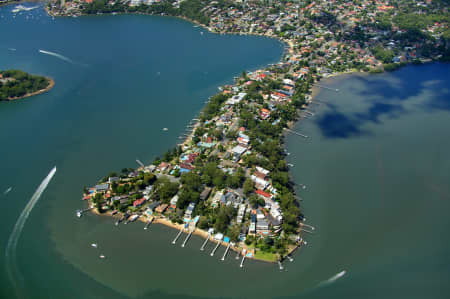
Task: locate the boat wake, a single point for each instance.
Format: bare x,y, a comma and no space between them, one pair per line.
7,191
57,56
332,279
10,252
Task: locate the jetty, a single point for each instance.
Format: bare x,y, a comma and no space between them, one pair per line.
140,163
79,213
178,235
305,230
148,223
215,248
280,265
187,238
325,87
226,251
307,225
204,243
243,258
296,133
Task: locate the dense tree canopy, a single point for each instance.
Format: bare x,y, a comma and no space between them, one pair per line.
16,83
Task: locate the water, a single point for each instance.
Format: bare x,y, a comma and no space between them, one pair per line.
378,175
375,167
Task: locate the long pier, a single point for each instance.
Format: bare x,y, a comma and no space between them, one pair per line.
204,243
187,238
325,87
308,112
226,251
242,261
296,133
79,213
148,223
307,225
140,163
178,235
280,265
215,248
305,230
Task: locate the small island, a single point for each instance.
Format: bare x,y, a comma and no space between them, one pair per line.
16,84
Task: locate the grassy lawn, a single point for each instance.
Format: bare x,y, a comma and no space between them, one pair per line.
267,256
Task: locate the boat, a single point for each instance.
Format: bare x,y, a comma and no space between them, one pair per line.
7,191
102,256
133,218
94,245
79,213
201,32
165,129
20,8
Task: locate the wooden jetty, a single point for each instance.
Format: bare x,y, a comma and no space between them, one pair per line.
226,251
140,163
148,223
242,261
296,133
178,235
326,87
215,248
204,243
280,265
187,238
79,213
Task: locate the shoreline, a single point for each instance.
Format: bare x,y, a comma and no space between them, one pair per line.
313,91
288,49
48,88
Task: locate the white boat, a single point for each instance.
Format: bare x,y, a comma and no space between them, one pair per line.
133,218
102,256
7,191
20,8
94,245
165,129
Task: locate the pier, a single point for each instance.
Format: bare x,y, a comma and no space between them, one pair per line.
187,238
140,163
296,133
308,112
307,225
148,223
226,251
79,213
204,243
325,87
280,265
305,230
178,235
242,261
215,248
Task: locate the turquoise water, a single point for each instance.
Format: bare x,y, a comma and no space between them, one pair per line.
375,166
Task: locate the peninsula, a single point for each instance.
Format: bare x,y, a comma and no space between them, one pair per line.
227,178
16,84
